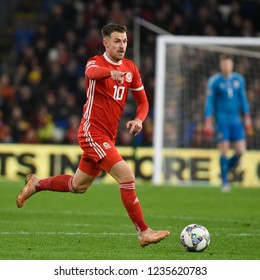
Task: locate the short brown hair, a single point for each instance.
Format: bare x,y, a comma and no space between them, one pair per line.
225,57
112,27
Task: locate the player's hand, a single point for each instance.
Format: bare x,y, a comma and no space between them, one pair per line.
208,129
118,76
135,126
248,125
249,131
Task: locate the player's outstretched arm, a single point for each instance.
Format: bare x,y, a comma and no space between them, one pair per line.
97,73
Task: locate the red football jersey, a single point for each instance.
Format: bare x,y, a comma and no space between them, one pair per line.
106,98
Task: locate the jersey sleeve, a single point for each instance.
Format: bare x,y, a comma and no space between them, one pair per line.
210,97
137,84
142,104
243,97
96,72
139,94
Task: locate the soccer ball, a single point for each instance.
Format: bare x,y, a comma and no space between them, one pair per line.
195,238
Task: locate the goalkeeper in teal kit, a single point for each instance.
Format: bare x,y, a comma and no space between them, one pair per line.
227,105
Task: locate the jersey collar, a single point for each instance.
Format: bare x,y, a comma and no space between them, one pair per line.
110,61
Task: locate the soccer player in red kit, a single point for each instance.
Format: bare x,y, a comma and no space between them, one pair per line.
109,78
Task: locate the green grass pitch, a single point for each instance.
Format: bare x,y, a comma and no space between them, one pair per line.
95,226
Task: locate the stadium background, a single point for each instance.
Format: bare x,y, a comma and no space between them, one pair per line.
44,46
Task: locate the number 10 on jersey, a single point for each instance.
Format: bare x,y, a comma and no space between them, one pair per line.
119,92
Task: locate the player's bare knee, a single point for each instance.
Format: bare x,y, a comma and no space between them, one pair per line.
128,178
132,178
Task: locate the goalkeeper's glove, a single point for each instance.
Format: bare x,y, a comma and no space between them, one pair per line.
208,129
248,125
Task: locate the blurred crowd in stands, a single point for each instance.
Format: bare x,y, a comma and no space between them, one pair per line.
42,88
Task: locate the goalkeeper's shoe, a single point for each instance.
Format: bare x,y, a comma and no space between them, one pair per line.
225,188
28,190
150,236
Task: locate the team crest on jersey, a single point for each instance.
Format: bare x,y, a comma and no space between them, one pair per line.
106,145
236,84
128,77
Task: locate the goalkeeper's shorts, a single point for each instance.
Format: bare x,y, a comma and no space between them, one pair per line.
229,132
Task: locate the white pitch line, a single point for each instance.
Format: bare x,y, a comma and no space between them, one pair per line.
107,214
234,229
102,233
66,233
73,225
49,224
243,234
63,224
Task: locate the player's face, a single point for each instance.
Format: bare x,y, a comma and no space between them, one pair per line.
226,66
116,46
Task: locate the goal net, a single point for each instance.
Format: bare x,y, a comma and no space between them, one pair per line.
183,66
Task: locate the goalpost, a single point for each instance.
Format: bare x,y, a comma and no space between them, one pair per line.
183,66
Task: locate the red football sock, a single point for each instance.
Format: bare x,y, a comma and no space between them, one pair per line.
132,205
61,183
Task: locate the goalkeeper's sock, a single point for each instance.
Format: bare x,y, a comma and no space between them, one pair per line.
233,162
224,169
132,205
60,183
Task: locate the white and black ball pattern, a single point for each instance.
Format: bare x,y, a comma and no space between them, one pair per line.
195,238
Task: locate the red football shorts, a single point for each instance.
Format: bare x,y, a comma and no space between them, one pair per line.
99,153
